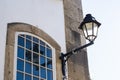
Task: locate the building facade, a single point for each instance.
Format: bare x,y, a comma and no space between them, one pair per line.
34,33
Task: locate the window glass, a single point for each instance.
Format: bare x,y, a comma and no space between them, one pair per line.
48,46
19,76
20,65
28,67
34,59
22,35
35,70
27,77
49,75
34,78
35,39
42,43
28,44
28,37
49,53
20,41
28,55
42,50
35,47
42,61
20,52
43,72
49,63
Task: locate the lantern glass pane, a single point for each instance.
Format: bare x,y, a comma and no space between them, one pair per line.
89,31
89,28
85,31
95,29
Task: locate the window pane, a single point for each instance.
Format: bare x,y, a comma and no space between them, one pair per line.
20,41
42,61
28,37
42,50
28,44
20,65
42,43
34,78
28,67
48,46
22,35
28,55
19,76
27,77
49,63
35,47
20,52
36,70
49,75
36,58
43,72
49,53
35,39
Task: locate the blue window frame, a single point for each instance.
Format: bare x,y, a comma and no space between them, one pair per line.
34,59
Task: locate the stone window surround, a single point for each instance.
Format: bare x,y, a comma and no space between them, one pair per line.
12,28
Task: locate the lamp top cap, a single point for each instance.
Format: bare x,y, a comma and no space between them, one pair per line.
89,18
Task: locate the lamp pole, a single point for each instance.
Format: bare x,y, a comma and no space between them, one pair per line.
89,26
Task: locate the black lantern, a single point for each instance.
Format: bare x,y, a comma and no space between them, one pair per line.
90,27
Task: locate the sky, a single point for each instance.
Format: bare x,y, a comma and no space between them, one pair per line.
104,55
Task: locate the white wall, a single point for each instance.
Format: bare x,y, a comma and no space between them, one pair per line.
48,15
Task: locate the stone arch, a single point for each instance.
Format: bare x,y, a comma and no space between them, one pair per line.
12,28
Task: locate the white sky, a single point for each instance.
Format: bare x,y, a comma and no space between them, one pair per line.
104,55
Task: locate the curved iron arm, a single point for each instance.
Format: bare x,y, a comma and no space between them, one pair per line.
64,57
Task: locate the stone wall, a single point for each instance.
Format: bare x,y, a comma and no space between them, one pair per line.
77,64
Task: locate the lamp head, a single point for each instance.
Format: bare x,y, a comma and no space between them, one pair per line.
90,26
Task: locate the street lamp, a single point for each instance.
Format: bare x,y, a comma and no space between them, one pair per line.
89,26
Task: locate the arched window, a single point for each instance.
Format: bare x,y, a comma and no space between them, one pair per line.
34,58
31,54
